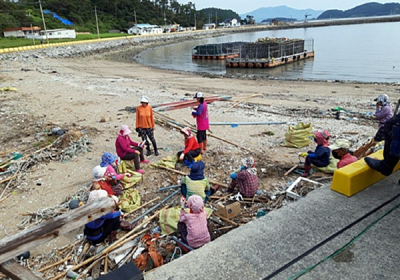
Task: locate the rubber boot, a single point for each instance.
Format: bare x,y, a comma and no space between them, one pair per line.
201,148
156,150
307,169
205,145
378,165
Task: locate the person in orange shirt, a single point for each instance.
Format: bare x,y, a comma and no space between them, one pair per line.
145,124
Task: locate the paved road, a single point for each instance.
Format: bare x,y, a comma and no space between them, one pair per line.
261,247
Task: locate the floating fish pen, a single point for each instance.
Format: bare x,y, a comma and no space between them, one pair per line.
272,52
217,51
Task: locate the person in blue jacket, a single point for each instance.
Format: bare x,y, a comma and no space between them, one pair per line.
321,156
98,230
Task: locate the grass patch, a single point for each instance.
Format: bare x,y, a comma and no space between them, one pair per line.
21,42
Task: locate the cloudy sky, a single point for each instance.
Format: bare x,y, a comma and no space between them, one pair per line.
244,6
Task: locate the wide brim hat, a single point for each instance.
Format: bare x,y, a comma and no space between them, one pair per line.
340,144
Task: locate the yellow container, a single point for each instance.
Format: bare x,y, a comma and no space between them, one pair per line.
357,176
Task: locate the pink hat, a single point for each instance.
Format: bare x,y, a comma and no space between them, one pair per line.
124,130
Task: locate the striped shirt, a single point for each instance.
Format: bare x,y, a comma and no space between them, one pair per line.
196,187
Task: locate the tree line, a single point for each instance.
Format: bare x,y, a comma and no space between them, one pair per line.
112,14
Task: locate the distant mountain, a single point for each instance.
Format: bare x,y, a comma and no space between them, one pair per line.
365,10
281,11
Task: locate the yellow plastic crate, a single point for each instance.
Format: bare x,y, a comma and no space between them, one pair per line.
357,176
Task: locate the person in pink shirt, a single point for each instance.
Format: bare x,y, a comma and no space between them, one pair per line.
192,226
129,150
202,122
340,150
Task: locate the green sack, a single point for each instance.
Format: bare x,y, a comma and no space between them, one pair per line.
298,136
129,200
129,167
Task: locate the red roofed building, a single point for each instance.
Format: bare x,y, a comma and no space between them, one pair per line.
20,32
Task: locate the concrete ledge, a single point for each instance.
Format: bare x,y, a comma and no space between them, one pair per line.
357,176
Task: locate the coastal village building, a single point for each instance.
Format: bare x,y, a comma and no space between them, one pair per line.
56,34
144,29
208,26
20,32
230,23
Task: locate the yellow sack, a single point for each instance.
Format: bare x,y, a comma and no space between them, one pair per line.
129,200
126,167
298,136
332,166
9,89
169,218
168,161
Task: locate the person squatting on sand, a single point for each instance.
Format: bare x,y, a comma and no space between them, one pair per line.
202,122
340,151
192,227
383,113
321,156
245,179
129,150
145,125
192,149
196,183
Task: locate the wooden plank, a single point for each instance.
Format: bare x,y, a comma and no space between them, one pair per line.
291,169
44,232
17,272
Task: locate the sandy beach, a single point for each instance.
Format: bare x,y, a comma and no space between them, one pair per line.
77,93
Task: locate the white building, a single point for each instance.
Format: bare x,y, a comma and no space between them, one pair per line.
145,29
230,23
20,32
56,34
208,26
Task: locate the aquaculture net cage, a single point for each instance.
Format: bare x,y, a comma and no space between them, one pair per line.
274,48
218,49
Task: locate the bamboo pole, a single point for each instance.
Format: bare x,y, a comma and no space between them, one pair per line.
244,99
179,127
54,264
291,169
225,219
102,254
106,264
4,198
184,174
147,203
89,268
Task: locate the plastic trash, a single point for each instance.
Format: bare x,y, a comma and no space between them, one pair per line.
261,213
71,274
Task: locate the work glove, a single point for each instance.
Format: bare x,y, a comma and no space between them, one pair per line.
128,175
242,167
194,111
138,132
233,176
141,144
303,154
182,156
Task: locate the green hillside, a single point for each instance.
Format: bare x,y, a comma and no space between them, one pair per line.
112,14
365,10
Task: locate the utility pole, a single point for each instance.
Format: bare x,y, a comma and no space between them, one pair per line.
33,35
44,23
134,12
97,23
216,20
165,21
195,25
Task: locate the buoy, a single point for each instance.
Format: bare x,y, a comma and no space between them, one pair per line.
259,65
242,65
235,65
250,65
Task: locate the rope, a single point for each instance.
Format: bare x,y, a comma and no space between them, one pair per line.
287,265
